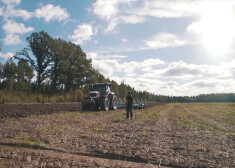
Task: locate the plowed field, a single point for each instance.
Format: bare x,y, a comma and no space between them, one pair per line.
170,135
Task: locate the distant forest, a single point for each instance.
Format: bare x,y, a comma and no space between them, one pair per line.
216,97
61,73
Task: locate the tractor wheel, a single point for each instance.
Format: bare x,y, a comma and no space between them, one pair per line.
114,102
104,104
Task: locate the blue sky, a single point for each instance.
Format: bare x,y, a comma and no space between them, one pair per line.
169,47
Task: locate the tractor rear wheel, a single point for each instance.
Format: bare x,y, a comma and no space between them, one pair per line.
114,102
104,104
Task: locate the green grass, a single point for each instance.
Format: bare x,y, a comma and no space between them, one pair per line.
42,129
13,96
98,127
229,134
77,121
27,142
144,133
2,165
9,96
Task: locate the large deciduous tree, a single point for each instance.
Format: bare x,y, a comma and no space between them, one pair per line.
41,46
58,54
70,67
75,67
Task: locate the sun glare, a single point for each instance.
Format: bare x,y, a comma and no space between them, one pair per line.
218,25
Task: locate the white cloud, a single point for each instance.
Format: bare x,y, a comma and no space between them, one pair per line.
186,72
168,78
124,40
12,39
167,8
21,13
48,12
137,11
181,69
113,12
1,11
91,55
83,33
6,56
164,40
110,64
95,57
105,8
11,2
195,27
111,26
114,21
132,19
204,84
51,12
8,10
11,27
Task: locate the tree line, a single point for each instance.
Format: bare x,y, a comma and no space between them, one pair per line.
215,97
51,67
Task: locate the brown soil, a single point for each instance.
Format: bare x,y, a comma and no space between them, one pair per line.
24,110
106,139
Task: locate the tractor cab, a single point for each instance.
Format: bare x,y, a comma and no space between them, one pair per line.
103,88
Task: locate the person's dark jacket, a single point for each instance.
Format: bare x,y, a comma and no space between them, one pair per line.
129,99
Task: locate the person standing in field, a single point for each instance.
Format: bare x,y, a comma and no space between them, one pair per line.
129,102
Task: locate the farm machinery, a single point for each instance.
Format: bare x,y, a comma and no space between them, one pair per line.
136,104
100,98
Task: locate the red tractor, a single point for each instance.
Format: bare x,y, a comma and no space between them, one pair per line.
100,98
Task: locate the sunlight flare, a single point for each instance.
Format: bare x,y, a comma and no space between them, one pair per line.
218,25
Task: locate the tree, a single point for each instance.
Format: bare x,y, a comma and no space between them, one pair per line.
9,74
74,67
41,46
122,90
24,75
58,54
1,66
1,70
115,87
1,74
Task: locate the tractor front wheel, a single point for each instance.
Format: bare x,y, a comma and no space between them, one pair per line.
114,102
104,104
